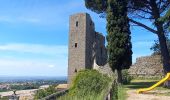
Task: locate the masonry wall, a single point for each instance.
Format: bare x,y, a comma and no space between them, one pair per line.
90,35
147,66
84,45
80,44
100,49
76,60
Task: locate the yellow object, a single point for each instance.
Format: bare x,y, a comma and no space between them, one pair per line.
155,85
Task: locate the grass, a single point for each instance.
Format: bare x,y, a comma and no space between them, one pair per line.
141,83
122,92
88,85
136,84
145,83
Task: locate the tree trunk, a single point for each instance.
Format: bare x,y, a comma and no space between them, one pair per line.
162,39
165,57
164,53
119,76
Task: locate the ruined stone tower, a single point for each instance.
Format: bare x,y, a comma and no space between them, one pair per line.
85,45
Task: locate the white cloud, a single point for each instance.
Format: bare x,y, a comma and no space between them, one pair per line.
29,19
5,19
54,65
51,66
35,48
18,67
19,19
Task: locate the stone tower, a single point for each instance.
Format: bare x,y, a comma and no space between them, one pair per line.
81,28
86,46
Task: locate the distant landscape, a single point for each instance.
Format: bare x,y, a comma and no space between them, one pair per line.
30,78
8,83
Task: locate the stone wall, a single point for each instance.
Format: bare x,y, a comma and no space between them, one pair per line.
77,39
85,45
147,66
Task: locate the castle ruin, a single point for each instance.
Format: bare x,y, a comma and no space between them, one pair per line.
86,46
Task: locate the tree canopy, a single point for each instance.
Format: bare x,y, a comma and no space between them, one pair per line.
156,47
119,39
149,10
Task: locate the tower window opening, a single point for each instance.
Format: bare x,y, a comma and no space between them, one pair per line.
77,23
75,70
75,45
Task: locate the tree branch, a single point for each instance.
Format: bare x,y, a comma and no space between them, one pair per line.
138,9
164,6
144,26
144,17
146,11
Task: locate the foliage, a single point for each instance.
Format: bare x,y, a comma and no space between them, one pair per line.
119,40
126,78
122,94
114,91
119,92
166,20
98,6
24,87
44,92
148,10
156,47
88,85
4,98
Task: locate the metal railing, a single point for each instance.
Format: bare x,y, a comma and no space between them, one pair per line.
56,95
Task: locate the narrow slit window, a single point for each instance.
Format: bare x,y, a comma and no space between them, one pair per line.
75,70
77,23
75,45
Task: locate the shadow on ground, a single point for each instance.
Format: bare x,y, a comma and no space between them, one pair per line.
137,85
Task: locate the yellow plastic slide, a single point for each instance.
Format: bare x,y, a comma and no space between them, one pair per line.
155,85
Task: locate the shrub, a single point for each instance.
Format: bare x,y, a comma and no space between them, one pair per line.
122,94
44,92
88,85
126,78
114,91
4,98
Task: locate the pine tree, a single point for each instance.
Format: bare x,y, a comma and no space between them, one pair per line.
148,10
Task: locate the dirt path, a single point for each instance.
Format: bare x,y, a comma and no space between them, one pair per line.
153,95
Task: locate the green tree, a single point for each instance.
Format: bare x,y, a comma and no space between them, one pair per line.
148,10
156,47
119,44
44,92
166,20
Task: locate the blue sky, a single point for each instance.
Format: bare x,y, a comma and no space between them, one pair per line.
34,36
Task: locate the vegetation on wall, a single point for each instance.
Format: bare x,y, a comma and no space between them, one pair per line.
88,85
